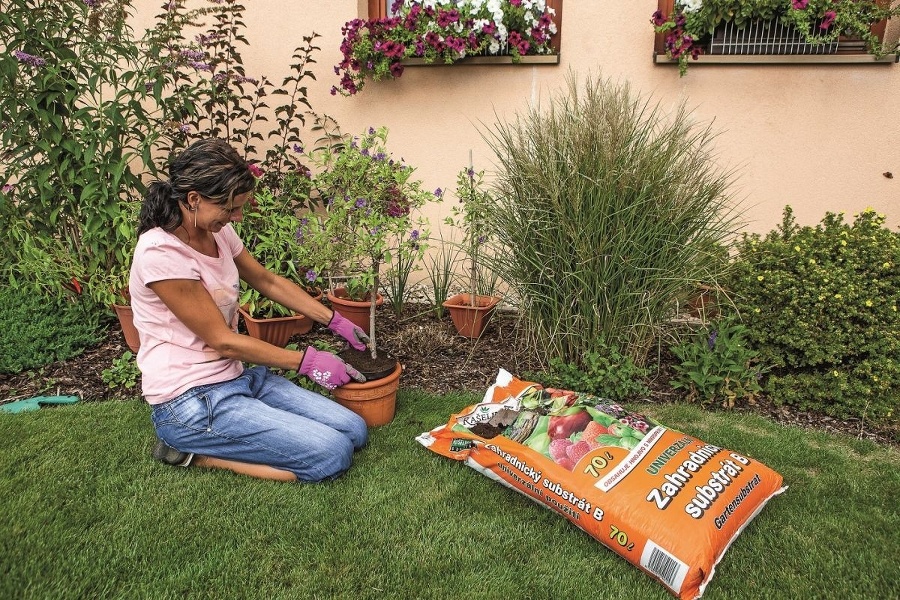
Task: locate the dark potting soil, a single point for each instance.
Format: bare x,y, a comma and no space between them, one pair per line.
373,368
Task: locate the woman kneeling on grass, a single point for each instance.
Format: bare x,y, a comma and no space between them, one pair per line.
208,409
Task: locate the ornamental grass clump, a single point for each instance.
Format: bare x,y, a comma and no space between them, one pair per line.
604,210
821,304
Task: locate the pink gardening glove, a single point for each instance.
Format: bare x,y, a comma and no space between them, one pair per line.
326,369
354,334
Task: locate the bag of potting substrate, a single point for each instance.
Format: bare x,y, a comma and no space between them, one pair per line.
666,502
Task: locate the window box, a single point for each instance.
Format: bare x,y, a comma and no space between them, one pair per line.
753,39
421,33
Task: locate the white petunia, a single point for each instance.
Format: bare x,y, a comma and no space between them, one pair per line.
691,5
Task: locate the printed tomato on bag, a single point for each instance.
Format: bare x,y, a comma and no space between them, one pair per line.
666,502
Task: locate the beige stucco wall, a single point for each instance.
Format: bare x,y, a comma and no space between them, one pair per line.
816,137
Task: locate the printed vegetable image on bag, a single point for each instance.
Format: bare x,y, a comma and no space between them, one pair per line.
666,502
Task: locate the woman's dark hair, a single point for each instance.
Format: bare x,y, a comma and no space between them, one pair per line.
210,167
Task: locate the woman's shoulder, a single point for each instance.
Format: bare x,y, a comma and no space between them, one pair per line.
158,238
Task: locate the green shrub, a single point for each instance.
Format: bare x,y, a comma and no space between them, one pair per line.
37,330
88,105
716,366
821,305
605,209
608,375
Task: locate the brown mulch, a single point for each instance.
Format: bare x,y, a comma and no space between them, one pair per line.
434,357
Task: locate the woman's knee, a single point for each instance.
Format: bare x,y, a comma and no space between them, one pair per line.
329,460
357,431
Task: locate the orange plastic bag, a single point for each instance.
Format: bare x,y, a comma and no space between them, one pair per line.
666,502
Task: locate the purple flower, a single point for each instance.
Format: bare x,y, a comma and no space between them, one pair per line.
360,203
830,16
799,4
711,342
439,192
6,189
311,276
92,3
298,148
184,128
29,59
414,234
192,54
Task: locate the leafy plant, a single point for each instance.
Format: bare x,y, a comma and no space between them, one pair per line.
821,304
609,375
715,364
470,217
274,234
124,372
370,202
692,22
397,277
602,207
443,31
441,267
36,330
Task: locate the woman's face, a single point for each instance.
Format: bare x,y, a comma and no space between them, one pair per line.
213,217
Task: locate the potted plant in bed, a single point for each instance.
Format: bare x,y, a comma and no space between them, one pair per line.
369,205
271,229
471,310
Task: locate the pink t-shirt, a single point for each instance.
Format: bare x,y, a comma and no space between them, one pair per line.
172,358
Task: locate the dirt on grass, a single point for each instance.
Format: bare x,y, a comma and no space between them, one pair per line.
434,358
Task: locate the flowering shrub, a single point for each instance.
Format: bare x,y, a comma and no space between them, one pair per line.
821,304
469,215
443,31
692,22
368,217
87,105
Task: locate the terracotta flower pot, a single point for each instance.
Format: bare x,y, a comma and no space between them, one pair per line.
276,330
356,312
704,305
126,320
375,401
468,318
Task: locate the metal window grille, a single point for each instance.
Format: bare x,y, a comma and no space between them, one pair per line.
765,37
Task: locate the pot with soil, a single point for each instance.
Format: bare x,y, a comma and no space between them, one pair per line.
375,400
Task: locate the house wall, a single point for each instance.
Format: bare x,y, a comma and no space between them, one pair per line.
817,137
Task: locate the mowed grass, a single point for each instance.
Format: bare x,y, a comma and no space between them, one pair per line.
86,513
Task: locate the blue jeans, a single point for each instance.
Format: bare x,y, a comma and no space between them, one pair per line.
262,418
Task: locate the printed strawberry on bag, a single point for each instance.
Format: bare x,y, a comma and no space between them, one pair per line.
666,502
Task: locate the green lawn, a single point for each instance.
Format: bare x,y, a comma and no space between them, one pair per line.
86,513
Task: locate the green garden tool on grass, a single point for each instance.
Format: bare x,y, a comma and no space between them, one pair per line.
35,403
